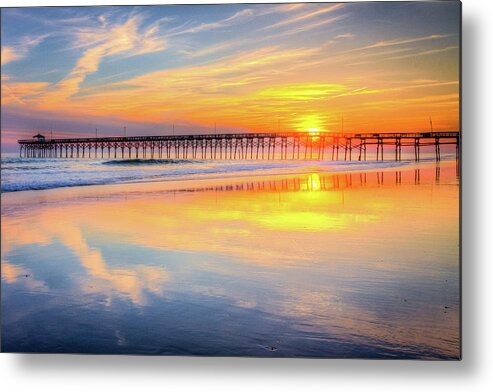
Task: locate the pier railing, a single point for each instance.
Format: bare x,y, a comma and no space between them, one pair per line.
250,146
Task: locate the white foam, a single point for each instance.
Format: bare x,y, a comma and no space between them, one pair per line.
20,174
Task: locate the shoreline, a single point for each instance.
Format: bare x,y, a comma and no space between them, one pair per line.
150,186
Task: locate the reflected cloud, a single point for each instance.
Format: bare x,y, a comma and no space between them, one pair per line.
16,274
50,227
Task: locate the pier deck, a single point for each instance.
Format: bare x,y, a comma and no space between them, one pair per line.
245,146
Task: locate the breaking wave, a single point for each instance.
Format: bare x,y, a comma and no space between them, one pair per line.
146,162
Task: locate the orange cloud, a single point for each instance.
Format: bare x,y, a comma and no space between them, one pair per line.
9,54
22,92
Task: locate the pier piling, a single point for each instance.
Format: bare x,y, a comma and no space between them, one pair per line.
245,146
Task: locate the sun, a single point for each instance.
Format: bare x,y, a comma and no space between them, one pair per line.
312,124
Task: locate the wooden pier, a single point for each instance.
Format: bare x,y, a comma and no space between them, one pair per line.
244,146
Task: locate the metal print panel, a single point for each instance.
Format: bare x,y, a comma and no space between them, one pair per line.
266,180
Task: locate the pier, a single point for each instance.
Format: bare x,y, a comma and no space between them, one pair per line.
244,146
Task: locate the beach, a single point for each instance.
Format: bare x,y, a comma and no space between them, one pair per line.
306,261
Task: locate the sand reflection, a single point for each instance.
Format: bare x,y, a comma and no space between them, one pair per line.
321,244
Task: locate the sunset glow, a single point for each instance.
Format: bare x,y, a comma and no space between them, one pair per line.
287,67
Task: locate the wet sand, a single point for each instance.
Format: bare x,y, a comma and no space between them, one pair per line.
359,264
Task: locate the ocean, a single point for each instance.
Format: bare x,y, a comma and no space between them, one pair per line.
20,174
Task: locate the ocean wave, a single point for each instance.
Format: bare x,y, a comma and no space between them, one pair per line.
146,162
36,186
24,174
28,168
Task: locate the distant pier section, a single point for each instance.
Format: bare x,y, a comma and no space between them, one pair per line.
245,146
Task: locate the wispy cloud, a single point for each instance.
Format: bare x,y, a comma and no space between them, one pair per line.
121,39
344,36
22,92
227,87
215,48
313,25
403,41
360,55
303,17
238,43
37,18
21,49
238,17
424,53
9,54
372,58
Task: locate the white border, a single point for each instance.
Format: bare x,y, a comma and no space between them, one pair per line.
112,373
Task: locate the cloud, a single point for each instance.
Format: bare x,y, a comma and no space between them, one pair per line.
215,48
302,91
21,92
383,48
121,39
245,81
238,43
21,50
403,41
383,55
238,17
288,7
312,26
344,36
9,54
103,21
124,37
230,88
303,17
424,53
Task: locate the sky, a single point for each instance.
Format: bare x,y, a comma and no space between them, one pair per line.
352,67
